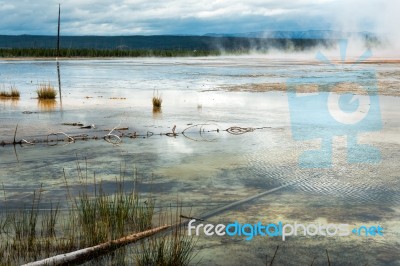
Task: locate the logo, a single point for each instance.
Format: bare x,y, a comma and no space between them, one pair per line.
281,230
340,100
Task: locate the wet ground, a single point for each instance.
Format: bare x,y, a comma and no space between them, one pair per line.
210,167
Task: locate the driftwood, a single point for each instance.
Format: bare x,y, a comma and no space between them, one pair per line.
116,138
89,253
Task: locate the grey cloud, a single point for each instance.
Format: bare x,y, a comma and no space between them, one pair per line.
105,17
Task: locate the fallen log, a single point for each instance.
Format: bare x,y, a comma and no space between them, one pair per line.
90,253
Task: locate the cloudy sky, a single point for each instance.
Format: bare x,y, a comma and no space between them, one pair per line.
197,17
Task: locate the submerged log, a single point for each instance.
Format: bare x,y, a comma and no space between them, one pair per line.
89,253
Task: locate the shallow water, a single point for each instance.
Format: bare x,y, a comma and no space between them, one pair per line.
208,169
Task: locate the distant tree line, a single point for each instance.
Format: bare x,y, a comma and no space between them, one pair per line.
46,52
135,46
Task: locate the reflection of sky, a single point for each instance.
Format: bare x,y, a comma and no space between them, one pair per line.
184,85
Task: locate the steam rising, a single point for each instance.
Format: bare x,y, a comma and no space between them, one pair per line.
379,17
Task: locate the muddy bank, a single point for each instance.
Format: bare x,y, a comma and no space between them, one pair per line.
386,87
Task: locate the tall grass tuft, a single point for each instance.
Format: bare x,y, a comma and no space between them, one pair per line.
46,91
174,248
105,217
11,93
157,101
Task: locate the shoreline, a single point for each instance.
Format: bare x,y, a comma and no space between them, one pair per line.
294,59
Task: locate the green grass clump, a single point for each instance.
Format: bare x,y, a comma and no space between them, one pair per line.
12,93
106,216
175,248
157,101
46,91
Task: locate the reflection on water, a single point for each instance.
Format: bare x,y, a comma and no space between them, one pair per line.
12,102
59,83
47,105
157,113
206,167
